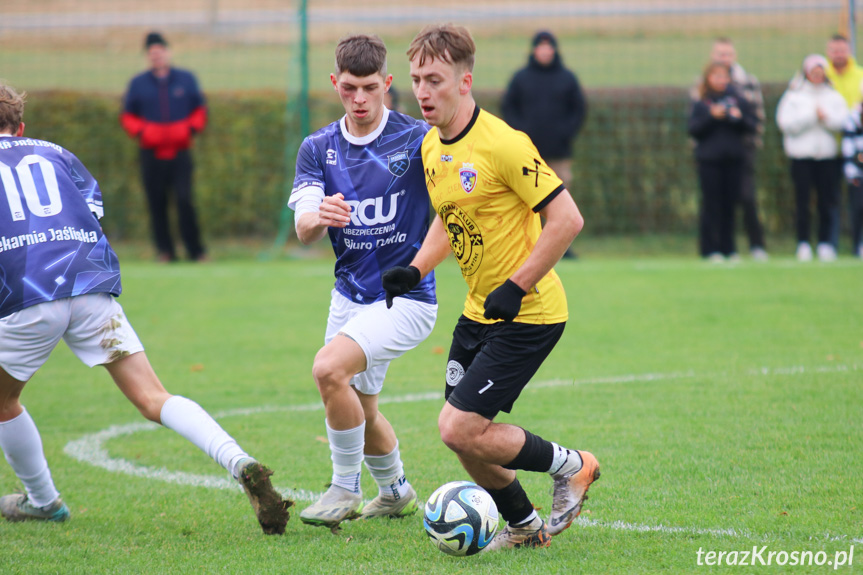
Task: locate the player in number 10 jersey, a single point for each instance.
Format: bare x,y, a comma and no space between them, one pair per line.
57,278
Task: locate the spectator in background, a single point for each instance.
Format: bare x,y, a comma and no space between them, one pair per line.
810,113
163,109
846,76
747,86
719,121
852,156
545,101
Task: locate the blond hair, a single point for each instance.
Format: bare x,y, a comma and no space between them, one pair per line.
446,42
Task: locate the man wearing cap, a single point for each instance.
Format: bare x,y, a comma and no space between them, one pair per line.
545,101
163,109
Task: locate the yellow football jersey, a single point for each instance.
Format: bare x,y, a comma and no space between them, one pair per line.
485,185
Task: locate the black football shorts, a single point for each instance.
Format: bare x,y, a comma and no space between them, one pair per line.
489,364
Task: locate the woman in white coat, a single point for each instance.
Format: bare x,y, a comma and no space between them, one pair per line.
810,114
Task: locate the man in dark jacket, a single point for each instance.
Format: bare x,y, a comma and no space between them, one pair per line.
163,108
544,100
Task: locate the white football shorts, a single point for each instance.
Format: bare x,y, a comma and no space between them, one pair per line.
383,334
92,325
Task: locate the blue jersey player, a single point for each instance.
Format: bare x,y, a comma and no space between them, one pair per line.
360,182
58,279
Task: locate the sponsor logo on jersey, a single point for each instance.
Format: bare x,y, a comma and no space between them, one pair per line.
398,164
467,177
370,212
465,237
331,157
445,158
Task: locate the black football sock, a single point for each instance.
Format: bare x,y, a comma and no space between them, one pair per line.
536,454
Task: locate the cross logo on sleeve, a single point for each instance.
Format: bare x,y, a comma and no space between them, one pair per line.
535,170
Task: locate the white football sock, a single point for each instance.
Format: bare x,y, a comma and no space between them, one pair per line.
526,521
346,451
388,472
196,425
565,461
22,446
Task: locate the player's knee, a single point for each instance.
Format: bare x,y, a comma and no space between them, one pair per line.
328,374
453,434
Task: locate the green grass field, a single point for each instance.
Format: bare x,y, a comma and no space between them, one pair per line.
723,402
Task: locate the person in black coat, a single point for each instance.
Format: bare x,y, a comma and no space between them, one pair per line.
719,120
545,101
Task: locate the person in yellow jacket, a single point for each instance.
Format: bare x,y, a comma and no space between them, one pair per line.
845,75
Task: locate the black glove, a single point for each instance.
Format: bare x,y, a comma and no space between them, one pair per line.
399,281
504,301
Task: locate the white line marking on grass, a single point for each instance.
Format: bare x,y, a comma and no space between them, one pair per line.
718,532
90,448
624,526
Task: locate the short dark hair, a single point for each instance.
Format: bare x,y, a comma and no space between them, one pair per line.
154,38
723,40
11,108
446,42
839,38
361,56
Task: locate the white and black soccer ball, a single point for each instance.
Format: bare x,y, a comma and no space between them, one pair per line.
460,518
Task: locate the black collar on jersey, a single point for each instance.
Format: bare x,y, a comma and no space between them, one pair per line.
464,132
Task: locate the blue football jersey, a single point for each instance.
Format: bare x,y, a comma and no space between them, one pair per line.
51,244
381,177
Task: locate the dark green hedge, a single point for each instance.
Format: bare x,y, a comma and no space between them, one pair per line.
633,168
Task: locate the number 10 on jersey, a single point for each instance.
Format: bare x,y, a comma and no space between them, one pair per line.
48,184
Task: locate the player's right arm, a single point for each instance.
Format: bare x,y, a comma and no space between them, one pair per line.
332,212
399,280
315,210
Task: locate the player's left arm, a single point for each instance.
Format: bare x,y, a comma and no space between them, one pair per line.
563,222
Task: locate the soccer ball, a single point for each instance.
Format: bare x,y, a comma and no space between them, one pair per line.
460,518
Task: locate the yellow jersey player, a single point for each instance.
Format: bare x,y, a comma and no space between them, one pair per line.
489,187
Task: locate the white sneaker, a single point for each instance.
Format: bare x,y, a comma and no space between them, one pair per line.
759,254
804,252
382,506
734,257
860,252
826,252
334,506
715,258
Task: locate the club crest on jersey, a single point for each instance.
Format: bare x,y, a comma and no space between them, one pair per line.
398,164
467,177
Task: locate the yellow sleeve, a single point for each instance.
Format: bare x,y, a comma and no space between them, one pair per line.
524,171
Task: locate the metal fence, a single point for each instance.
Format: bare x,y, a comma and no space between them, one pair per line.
636,60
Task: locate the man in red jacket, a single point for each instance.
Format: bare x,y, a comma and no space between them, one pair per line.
163,109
